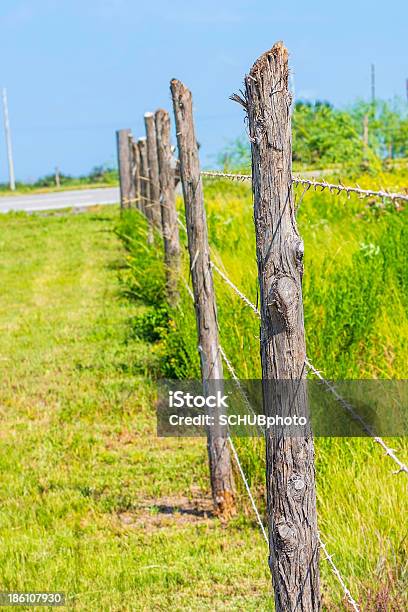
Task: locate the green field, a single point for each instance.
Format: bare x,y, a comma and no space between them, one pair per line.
92,502
355,293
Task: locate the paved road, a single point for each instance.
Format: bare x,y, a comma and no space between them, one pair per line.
79,198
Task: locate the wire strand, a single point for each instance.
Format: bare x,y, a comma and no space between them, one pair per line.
388,451
332,187
339,577
248,489
328,557
235,288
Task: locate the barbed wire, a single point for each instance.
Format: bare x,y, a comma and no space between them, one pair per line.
228,175
189,290
235,288
339,577
388,451
139,198
339,188
238,385
181,224
322,545
248,489
332,187
234,451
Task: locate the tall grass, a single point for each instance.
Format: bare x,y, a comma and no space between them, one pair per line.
355,301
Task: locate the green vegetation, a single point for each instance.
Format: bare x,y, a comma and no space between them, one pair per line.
100,176
355,294
91,501
324,136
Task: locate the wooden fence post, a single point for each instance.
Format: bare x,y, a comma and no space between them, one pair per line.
291,498
122,141
168,205
222,482
136,173
153,169
145,187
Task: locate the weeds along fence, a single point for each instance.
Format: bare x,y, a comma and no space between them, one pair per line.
148,175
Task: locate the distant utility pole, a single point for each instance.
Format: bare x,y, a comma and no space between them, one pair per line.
406,88
12,180
57,177
373,84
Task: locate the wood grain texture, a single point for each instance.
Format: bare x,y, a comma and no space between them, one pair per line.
168,205
153,169
123,151
222,482
291,501
136,174
145,186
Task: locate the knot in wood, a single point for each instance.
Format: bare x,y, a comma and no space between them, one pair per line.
296,487
299,252
286,536
284,298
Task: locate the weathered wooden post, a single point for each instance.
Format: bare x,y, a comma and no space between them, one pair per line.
222,482
133,170
168,205
145,187
122,140
291,498
136,173
153,169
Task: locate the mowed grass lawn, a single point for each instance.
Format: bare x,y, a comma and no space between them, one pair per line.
92,503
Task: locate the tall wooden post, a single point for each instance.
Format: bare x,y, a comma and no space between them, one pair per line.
136,174
221,476
291,499
153,166
132,165
122,140
145,187
168,205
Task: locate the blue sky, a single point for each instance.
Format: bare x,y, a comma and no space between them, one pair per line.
77,70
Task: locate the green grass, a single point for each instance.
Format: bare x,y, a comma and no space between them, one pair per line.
355,299
91,501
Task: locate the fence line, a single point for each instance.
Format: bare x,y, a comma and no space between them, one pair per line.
322,545
235,288
238,385
332,187
328,557
339,577
363,193
211,365
228,175
248,489
388,451
258,106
